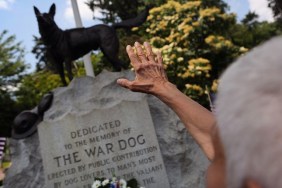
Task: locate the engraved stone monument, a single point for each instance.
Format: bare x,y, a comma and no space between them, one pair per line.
96,128
117,139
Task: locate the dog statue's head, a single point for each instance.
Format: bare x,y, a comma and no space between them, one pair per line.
45,20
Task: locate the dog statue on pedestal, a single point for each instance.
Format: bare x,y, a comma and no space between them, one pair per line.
64,46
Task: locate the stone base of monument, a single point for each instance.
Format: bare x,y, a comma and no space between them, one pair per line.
95,128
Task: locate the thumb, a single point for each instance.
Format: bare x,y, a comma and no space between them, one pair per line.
124,83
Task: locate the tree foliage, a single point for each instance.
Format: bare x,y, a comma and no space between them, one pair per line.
116,10
250,32
12,68
40,52
11,60
195,43
35,85
198,38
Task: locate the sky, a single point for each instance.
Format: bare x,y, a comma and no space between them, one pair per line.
17,16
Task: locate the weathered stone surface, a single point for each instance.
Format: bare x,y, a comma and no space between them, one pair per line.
184,161
118,140
27,169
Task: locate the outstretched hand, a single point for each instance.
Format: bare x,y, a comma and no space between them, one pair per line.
149,70
151,78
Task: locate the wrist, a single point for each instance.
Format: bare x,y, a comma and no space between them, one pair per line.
165,90
170,95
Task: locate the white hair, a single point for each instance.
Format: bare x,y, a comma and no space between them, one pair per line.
249,115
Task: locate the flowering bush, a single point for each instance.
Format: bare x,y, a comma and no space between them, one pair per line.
195,44
115,183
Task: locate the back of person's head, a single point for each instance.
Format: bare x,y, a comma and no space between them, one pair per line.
249,114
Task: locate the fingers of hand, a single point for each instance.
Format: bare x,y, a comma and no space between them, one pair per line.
124,83
159,57
140,52
149,52
132,56
160,62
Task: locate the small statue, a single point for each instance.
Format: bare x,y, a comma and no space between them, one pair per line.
66,46
44,104
25,123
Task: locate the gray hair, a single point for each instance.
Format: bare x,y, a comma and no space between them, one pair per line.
249,114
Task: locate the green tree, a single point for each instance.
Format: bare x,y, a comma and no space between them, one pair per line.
194,40
213,3
251,32
11,60
40,52
115,10
251,19
35,85
12,68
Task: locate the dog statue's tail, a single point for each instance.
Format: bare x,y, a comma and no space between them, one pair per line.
133,22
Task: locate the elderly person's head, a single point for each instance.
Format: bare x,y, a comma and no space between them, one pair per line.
249,115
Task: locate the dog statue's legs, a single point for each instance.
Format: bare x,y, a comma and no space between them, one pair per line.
111,54
60,68
118,64
68,64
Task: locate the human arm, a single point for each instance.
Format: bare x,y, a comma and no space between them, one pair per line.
151,78
2,174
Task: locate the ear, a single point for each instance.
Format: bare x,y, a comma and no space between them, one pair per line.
249,183
52,10
36,11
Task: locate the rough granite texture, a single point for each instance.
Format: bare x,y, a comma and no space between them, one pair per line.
184,161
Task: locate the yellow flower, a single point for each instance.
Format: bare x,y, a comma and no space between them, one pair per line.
211,18
214,85
155,10
173,56
210,39
218,42
152,25
179,49
195,88
188,86
218,45
134,29
191,67
185,75
198,60
243,49
167,18
157,40
180,59
228,16
162,25
190,5
196,24
150,17
209,12
184,23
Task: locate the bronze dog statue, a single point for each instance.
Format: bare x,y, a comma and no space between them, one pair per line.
64,46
